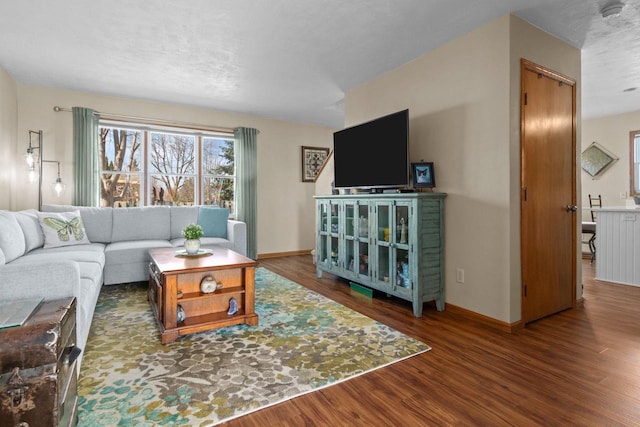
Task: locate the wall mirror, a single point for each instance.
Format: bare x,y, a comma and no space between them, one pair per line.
596,159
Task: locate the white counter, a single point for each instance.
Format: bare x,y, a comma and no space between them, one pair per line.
631,208
618,244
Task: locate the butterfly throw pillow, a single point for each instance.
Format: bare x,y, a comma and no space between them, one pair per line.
62,229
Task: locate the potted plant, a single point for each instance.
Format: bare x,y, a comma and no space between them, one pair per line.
192,234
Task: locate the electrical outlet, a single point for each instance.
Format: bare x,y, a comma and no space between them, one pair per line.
459,275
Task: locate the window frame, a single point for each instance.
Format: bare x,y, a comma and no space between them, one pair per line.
634,167
146,174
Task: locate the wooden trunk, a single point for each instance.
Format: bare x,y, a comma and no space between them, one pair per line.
38,378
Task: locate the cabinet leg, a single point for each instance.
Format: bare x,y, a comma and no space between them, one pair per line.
251,320
319,273
417,308
440,304
169,337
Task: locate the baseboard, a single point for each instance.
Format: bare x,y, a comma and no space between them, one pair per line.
283,254
463,312
486,320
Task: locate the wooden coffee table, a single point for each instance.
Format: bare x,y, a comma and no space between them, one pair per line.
174,280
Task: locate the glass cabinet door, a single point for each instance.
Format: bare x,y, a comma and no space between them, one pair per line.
322,250
328,248
350,248
323,216
401,246
334,247
362,233
356,238
383,271
392,245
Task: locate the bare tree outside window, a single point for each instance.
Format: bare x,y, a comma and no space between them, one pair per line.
172,167
120,161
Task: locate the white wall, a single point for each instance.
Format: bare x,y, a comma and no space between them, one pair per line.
285,203
458,100
463,101
612,132
8,132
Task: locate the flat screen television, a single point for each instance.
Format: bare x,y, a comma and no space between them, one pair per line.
373,155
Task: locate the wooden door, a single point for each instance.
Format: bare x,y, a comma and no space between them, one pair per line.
548,196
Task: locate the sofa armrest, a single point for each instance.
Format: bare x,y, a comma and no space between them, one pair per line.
47,279
237,234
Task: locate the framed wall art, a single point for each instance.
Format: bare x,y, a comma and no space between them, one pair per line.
312,160
423,175
596,159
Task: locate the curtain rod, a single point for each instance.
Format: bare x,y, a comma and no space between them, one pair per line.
147,120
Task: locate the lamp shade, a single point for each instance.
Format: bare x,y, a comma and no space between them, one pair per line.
58,187
29,157
32,174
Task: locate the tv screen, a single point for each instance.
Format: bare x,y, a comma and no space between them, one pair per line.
374,154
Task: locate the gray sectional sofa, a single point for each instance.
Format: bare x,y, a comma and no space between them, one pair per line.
116,251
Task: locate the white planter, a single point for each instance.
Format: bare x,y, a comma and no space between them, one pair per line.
192,246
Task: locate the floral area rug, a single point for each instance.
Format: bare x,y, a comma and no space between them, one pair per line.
303,342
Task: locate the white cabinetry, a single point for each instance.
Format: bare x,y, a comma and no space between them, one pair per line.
618,245
393,243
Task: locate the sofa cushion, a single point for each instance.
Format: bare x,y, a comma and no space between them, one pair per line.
213,221
98,222
181,216
93,253
12,240
91,247
148,223
129,261
132,251
33,236
62,229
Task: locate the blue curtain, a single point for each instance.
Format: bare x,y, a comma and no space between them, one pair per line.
86,172
246,159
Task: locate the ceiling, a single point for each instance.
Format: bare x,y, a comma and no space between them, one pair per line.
288,59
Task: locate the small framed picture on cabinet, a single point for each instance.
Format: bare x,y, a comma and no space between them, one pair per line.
423,175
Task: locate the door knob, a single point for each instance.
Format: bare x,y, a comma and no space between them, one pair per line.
572,208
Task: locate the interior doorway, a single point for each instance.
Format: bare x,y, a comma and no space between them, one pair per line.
548,191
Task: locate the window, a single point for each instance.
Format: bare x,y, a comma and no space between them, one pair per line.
172,169
120,166
149,166
634,144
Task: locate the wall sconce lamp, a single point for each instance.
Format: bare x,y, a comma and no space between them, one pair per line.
57,186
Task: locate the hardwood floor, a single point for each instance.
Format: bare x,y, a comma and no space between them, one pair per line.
579,367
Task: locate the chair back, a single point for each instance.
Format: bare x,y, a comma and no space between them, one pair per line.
595,202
